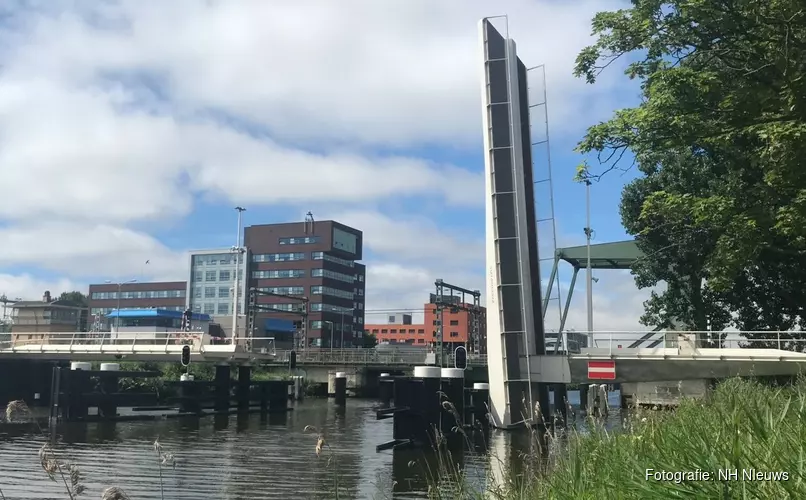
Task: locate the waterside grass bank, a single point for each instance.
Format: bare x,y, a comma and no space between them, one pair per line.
747,441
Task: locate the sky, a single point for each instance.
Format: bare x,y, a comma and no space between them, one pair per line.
129,131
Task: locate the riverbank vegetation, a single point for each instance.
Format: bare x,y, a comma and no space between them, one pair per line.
747,427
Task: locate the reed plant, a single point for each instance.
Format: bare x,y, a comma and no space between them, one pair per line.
743,426
58,469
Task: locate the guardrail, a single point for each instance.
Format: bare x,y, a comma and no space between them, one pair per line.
372,356
616,341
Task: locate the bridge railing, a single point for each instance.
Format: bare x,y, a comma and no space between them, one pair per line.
371,356
27,340
616,341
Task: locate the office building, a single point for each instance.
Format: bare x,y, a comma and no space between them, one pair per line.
165,295
210,281
314,260
458,325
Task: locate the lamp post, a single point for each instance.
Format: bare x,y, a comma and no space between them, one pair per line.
331,334
589,270
117,315
238,251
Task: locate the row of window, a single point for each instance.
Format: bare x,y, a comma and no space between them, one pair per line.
325,273
213,276
334,292
278,257
330,258
410,332
277,274
211,292
300,240
140,294
102,311
219,259
334,325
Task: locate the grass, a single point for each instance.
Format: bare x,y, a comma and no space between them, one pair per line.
743,426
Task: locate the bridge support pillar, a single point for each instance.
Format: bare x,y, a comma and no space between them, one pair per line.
78,384
385,388
222,387
453,388
244,384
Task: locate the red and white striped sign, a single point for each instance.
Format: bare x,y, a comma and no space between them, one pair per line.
602,370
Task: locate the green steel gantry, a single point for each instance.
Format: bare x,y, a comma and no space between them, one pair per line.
615,255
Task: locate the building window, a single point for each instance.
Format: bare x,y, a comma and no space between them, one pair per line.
334,292
209,292
284,290
290,307
224,276
361,278
316,325
300,240
223,308
454,334
319,307
223,292
278,257
197,292
421,331
325,273
197,308
197,275
210,276
330,258
360,292
454,322
275,274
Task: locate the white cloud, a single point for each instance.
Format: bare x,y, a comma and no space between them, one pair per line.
119,100
27,287
83,250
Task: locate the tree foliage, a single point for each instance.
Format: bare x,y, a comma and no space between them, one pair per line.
720,210
75,297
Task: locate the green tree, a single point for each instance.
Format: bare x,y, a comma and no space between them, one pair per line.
719,135
75,297
370,340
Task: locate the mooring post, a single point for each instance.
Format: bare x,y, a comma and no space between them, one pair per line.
583,397
340,388
79,385
427,404
188,394
481,398
244,384
108,408
222,387
453,407
386,385
561,402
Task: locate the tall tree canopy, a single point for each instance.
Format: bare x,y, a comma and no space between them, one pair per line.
719,136
76,297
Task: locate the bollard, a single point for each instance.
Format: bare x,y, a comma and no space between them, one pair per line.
298,384
561,402
78,384
604,406
453,403
386,387
244,386
107,408
593,402
426,404
188,394
583,397
340,388
222,387
480,400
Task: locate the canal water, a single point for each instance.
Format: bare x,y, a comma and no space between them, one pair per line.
243,458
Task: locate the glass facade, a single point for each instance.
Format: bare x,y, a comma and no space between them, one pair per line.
212,276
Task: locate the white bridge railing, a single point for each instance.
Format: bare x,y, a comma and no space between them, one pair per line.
626,341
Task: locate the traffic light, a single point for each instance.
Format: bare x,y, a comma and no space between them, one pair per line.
292,360
185,355
460,358
186,319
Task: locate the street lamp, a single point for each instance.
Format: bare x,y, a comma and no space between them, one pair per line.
331,334
120,285
238,251
589,270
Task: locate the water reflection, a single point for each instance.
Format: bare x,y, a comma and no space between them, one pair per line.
253,457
